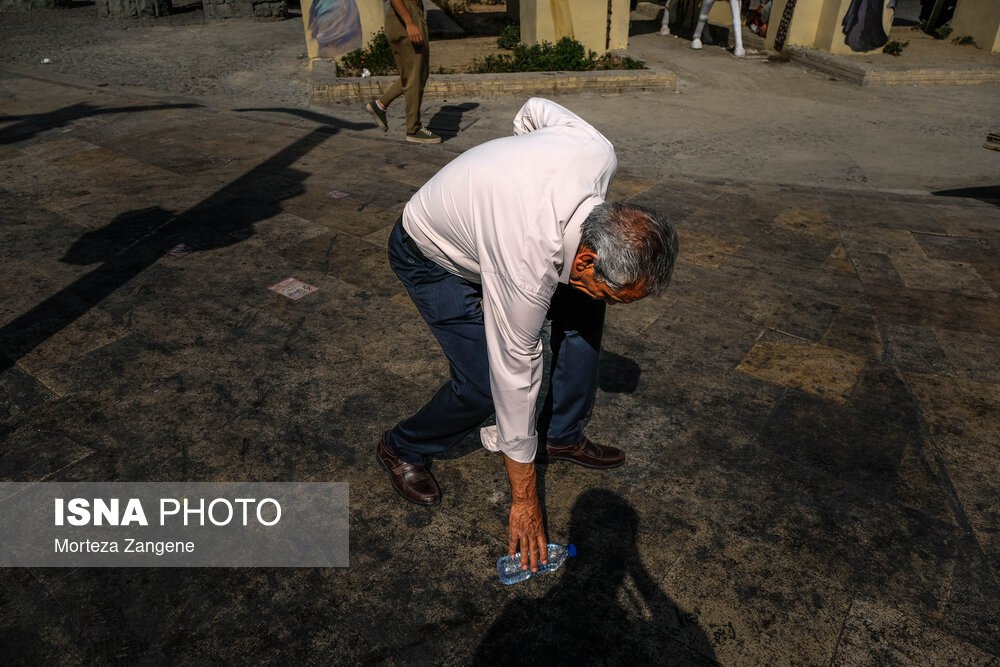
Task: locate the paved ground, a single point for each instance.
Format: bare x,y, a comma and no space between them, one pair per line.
810,413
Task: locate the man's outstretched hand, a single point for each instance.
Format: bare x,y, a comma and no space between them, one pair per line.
527,532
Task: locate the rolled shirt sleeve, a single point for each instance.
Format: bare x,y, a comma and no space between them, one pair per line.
514,316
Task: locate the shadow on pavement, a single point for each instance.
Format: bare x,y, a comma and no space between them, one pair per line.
643,27
135,240
27,127
447,121
989,194
618,374
605,608
305,114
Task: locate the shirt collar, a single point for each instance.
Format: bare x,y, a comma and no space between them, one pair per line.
571,236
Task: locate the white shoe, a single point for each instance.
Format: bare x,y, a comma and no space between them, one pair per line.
665,30
739,53
695,43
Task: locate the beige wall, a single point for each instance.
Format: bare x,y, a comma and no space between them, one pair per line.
818,24
584,20
372,18
979,19
619,25
830,29
802,30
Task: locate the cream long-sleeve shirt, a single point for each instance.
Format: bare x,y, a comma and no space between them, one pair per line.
507,214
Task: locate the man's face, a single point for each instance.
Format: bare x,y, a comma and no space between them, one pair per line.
582,277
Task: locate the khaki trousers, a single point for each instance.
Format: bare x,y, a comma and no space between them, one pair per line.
413,64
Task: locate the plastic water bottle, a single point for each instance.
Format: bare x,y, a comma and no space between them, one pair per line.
509,568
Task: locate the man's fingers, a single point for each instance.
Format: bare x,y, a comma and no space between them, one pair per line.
527,534
518,543
533,547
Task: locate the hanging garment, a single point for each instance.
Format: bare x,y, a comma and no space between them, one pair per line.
863,25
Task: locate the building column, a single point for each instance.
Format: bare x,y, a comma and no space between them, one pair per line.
586,21
980,20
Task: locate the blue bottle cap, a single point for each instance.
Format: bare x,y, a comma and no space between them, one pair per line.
571,550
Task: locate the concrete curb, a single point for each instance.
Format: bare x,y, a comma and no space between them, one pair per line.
355,89
867,74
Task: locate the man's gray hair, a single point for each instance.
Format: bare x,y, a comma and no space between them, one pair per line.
633,245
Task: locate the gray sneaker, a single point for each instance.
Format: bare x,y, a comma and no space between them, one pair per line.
423,136
377,114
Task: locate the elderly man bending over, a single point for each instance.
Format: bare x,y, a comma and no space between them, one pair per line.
510,233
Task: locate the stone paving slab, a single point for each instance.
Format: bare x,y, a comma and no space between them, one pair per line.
810,412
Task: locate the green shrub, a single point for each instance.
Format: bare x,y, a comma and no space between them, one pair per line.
965,41
895,48
611,61
943,32
566,55
376,58
509,37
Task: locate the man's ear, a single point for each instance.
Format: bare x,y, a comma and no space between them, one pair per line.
584,259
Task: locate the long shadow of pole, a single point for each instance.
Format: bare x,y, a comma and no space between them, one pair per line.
135,240
26,127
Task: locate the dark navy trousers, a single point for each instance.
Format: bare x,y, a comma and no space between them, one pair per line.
452,308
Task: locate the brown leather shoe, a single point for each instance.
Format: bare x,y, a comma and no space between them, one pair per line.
587,454
412,481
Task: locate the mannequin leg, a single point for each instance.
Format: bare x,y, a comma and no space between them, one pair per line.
706,7
737,29
665,24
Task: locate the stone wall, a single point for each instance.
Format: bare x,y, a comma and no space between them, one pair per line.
133,8
27,5
245,9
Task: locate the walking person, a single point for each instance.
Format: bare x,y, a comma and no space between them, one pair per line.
406,30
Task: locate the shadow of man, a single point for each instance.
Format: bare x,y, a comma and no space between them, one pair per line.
605,609
448,120
618,374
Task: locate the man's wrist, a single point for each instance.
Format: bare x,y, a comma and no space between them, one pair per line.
523,483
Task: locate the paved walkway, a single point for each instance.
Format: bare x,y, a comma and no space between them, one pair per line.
810,412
